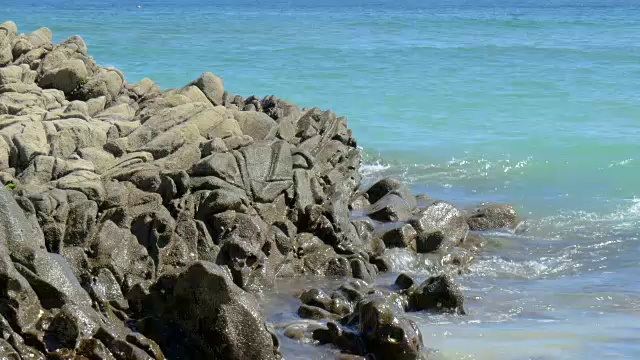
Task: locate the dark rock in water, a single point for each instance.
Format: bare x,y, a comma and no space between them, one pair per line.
429,242
386,333
493,216
402,236
382,188
438,293
404,282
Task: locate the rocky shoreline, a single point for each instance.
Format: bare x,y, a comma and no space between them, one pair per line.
137,223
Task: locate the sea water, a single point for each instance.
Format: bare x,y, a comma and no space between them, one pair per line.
535,103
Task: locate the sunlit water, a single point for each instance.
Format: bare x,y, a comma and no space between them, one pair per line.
529,102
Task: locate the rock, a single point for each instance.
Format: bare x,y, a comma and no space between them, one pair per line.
493,216
107,82
382,188
315,313
82,218
438,293
430,242
70,326
386,333
50,277
67,77
206,304
18,302
15,228
404,282
391,208
211,86
402,236
144,89
443,217
256,124
8,31
119,251
40,37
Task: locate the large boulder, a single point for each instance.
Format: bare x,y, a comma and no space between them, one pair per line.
216,318
212,86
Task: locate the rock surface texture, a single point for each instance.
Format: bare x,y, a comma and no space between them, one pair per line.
132,217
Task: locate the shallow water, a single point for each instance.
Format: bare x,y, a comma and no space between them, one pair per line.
529,102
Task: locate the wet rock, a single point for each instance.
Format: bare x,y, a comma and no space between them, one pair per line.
386,333
315,313
404,282
430,242
493,216
443,217
402,236
438,293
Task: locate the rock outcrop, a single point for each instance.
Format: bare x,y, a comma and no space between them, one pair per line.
132,217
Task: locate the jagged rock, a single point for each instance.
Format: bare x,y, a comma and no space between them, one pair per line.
493,216
242,238
438,293
107,82
119,251
429,242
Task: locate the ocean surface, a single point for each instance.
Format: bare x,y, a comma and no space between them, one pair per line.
535,103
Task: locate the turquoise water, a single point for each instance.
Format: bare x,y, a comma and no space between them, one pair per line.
535,103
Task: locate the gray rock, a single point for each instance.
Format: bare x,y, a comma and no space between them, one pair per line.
119,251
493,216
8,31
212,86
107,82
50,277
70,326
82,218
443,217
391,208
256,124
207,305
15,228
67,77
18,302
